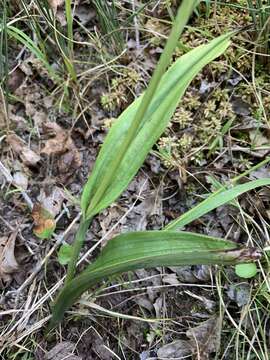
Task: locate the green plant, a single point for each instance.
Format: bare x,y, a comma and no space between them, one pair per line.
110,26
123,152
260,13
207,4
3,45
246,270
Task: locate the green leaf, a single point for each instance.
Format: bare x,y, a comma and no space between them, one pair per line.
65,254
149,249
246,271
152,125
108,164
30,44
215,200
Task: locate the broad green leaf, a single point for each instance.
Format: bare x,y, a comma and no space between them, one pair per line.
246,271
149,249
215,200
169,92
95,191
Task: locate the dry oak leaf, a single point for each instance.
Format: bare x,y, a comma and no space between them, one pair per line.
8,263
61,144
28,156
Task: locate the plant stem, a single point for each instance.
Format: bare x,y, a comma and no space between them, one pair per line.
69,26
78,243
181,19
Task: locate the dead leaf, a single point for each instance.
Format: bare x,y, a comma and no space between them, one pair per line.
28,156
84,13
61,351
240,293
61,144
54,4
205,337
240,107
15,79
101,350
52,200
31,94
21,180
8,263
171,279
257,138
263,172
43,220
175,350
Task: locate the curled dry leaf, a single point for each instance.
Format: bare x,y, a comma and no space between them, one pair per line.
61,144
28,156
8,263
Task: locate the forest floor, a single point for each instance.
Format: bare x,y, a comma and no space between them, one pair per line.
54,116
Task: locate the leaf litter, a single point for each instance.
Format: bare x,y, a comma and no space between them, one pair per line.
59,143
8,262
203,340
61,351
21,149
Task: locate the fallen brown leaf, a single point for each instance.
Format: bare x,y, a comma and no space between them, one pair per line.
8,263
205,337
20,179
28,156
15,79
55,4
204,340
52,199
175,350
63,350
61,144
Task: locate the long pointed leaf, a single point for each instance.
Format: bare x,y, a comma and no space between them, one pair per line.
149,249
162,107
215,200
